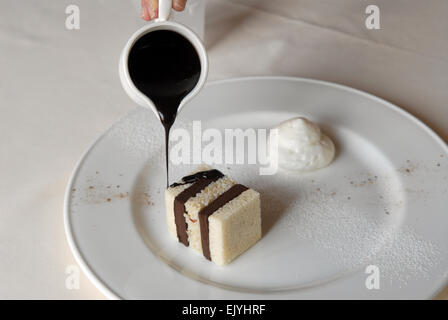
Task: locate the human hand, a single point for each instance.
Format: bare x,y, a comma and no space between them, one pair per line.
150,8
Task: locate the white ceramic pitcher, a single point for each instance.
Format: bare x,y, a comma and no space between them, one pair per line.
161,23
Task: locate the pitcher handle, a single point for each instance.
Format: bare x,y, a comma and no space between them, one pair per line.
164,10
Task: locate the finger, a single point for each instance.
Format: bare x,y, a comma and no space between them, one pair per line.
152,6
154,9
179,5
145,12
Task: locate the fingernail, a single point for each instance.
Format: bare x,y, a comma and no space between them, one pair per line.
153,15
145,15
178,5
152,9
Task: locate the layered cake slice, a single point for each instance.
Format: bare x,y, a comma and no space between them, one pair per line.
213,215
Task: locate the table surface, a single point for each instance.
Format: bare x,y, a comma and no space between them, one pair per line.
59,90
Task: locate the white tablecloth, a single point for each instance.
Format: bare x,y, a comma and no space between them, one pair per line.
59,90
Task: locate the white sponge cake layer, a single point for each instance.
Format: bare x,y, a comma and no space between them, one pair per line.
235,227
200,201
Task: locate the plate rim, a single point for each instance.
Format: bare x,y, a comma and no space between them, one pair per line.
88,270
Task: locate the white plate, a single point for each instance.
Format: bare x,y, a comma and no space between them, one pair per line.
382,202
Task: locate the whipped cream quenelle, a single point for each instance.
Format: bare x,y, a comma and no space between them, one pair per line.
302,146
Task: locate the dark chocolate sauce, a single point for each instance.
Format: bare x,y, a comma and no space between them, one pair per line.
165,67
209,174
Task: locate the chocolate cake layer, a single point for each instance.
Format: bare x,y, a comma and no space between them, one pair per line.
219,202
